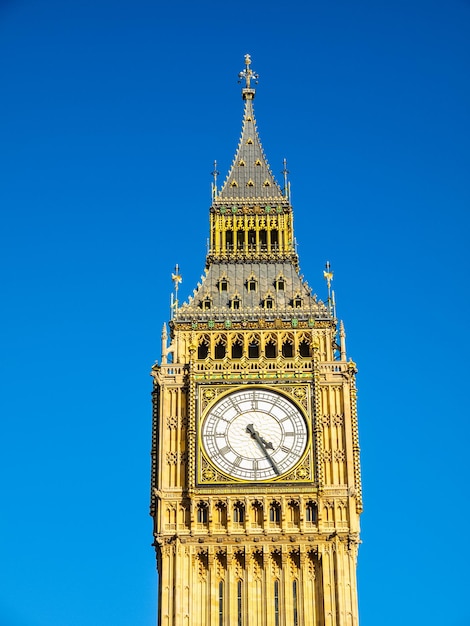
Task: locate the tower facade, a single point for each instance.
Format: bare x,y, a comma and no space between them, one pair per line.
256,490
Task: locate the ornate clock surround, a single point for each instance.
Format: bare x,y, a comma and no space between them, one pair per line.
298,395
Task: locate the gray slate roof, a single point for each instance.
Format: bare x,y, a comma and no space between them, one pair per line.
250,176
237,276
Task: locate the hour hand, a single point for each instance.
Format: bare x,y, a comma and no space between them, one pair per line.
263,444
267,444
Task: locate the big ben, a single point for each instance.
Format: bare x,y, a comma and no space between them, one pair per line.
256,490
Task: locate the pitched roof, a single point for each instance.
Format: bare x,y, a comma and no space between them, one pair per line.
250,176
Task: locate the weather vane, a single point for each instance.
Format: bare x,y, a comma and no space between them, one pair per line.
248,73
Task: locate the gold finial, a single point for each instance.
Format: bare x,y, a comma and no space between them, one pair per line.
248,74
215,173
285,173
176,278
328,276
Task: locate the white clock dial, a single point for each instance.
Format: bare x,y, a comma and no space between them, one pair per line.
254,434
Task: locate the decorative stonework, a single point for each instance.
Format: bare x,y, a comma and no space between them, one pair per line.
172,423
339,455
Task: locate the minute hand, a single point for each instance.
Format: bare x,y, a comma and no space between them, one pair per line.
261,443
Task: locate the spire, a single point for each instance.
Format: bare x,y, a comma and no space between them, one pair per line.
250,177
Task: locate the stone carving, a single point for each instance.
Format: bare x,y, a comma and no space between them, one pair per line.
339,455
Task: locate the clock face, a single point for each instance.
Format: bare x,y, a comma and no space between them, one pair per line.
254,434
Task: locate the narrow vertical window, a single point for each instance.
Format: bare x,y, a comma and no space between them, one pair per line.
221,603
276,603
239,603
294,598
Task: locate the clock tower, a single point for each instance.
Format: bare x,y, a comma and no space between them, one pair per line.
256,490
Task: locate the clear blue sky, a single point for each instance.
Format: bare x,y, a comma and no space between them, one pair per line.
112,113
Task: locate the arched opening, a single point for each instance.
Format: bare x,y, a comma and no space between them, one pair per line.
275,514
238,513
310,512
274,240
287,350
203,349
270,350
263,239
237,349
220,351
304,348
202,515
229,240
253,349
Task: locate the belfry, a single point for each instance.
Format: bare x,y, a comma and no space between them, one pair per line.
256,489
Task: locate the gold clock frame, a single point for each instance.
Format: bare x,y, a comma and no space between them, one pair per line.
299,394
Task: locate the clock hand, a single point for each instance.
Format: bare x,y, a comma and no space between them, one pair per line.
267,444
263,445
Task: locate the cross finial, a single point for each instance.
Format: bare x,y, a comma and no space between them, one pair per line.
248,73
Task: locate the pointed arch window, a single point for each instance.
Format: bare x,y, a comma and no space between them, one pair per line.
221,514
241,163
250,183
310,513
266,183
304,348
238,513
203,348
220,350
287,349
257,515
202,513
249,141
234,183
275,514
253,350
237,348
258,163
270,349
